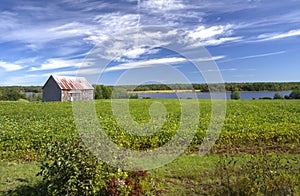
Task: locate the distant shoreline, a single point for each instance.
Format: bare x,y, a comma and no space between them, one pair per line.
190,91
165,91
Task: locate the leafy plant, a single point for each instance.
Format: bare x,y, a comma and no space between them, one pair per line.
235,95
295,94
68,168
277,96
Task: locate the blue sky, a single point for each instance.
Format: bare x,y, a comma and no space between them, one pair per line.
139,41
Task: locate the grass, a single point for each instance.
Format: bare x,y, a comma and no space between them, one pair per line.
194,175
186,175
250,126
19,178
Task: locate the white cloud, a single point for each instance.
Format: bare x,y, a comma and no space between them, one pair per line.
135,52
10,66
213,35
24,79
7,20
61,73
72,29
262,55
220,70
36,36
132,43
255,56
274,36
51,64
162,5
214,42
26,61
214,58
115,22
143,64
203,33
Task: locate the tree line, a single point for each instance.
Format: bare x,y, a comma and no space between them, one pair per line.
256,86
107,92
14,93
295,94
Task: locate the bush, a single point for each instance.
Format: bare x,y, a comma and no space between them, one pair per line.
11,94
120,93
295,94
134,96
235,95
266,98
277,96
68,168
102,92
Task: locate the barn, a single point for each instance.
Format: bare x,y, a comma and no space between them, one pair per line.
62,88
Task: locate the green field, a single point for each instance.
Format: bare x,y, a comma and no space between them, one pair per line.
256,128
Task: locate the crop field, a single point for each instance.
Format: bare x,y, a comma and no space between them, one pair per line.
252,128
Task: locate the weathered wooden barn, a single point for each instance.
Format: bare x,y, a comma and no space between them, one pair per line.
62,88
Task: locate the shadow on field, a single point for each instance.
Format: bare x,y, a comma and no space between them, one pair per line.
25,190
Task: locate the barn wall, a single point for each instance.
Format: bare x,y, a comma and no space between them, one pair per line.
87,94
51,91
77,95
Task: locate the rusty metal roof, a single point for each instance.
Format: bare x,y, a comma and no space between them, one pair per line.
72,83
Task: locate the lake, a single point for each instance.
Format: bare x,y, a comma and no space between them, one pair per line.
204,95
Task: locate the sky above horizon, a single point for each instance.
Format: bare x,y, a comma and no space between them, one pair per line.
150,41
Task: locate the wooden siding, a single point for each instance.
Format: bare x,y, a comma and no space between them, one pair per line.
77,95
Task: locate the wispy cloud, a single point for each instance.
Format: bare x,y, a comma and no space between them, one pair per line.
219,41
162,5
147,63
253,56
203,33
213,35
214,58
275,36
38,40
220,70
10,66
52,64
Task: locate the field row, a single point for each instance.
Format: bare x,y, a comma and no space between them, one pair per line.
26,128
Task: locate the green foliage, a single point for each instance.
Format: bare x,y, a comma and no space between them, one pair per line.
107,92
102,92
235,95
29,130
295,94
257,86
134,96
69,168
277,96
120,93
266,98
265,174
26,128
11,94
14,93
